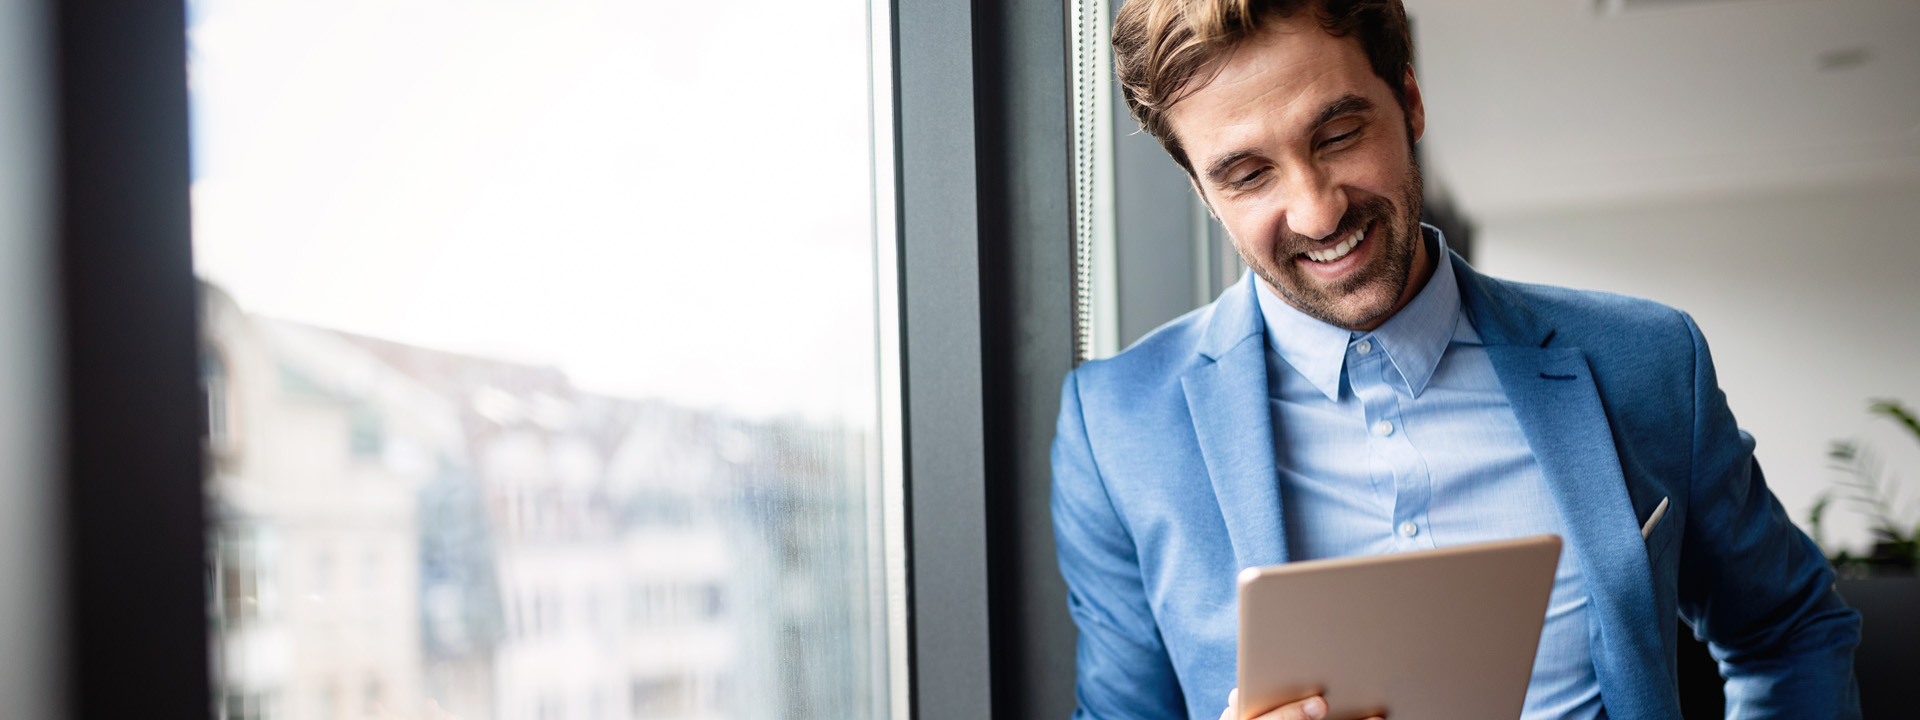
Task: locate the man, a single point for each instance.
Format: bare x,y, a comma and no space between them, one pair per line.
1365,391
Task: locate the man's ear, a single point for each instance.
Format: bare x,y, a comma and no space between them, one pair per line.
1416,111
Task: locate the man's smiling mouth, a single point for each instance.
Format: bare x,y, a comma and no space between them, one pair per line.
1338,251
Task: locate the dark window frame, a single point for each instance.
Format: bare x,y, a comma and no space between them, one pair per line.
136,570
983,121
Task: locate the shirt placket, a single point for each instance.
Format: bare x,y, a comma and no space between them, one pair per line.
1394,462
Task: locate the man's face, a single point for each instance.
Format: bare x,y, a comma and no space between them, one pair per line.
1307,159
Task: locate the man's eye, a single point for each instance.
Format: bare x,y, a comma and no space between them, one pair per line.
1337,139
1250,177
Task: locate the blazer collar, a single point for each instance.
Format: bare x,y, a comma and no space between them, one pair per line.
1498,314
1236,317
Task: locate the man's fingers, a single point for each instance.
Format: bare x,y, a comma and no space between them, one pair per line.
1312,708
1233,706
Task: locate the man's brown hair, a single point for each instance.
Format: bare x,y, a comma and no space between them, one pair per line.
1166,50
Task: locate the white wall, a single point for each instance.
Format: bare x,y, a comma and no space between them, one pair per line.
29,500
1809,300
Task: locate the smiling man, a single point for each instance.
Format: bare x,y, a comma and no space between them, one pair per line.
1365,391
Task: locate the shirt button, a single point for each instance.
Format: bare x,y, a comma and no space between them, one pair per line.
1383,428
1409,529
1363,347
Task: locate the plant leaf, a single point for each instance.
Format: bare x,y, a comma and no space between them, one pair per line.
1899,413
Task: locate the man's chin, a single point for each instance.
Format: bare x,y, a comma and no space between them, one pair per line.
1366,318
1353,318
1351,310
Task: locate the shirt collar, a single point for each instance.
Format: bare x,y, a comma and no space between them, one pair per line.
1414,338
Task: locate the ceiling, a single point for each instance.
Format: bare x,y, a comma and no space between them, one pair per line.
1536,105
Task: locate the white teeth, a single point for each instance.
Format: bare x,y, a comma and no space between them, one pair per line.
1338,251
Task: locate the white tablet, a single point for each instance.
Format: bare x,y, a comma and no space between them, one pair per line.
1445,634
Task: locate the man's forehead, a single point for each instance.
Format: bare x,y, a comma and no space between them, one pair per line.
1282,77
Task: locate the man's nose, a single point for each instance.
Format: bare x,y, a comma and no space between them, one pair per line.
1317,207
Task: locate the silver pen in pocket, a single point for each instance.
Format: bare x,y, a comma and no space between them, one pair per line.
1659,511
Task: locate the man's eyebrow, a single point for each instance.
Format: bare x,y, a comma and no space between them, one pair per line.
1346,105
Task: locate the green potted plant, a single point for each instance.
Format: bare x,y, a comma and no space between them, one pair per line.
1865,485
1883,583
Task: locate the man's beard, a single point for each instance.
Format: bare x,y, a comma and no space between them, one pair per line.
1388,270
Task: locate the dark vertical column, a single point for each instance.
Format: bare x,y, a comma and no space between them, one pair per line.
137,618
1023,109
939,236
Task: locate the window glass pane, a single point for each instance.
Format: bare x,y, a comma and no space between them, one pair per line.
541,355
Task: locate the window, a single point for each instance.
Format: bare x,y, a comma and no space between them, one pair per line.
240,590
661,697
245,706
365,439
955,259
213,377
327,703
373,698
566,322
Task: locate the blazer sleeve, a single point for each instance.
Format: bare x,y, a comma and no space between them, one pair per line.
1751,584
1122,667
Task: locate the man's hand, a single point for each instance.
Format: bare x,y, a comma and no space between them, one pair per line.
1313,708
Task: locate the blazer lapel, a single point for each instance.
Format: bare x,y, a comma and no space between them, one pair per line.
1228,401
1560,411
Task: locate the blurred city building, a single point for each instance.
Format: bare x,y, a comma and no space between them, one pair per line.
401,532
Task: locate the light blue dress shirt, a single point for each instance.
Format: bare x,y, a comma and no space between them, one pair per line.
1402,439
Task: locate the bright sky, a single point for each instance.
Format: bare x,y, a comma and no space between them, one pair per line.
664,199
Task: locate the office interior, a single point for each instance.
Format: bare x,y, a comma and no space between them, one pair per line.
595,360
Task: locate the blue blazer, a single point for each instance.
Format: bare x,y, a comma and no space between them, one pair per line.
1165,486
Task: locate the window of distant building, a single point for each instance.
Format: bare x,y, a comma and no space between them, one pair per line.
661,697
373,698
217,385
328,704
712,601
237,577
244,706
366,436
322,581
